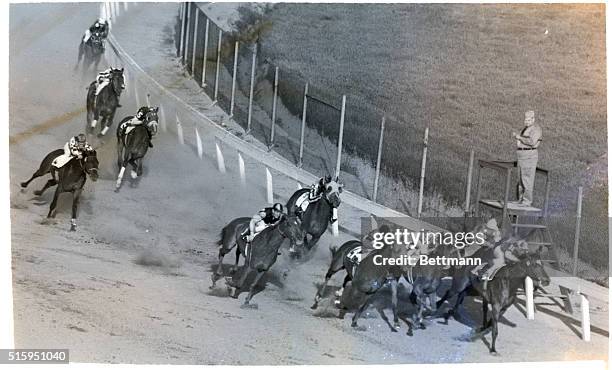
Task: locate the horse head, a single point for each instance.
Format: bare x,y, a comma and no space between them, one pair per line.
89,164
291,227
151,119
117,80
535,269
333,188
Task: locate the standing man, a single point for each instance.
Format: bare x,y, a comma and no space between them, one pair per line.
527,143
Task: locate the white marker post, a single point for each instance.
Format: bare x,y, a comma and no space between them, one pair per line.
269,188
199,143
163,119
220,160
179,131
335,231
274,107
299,186
586,318
136,95
529,306
242,170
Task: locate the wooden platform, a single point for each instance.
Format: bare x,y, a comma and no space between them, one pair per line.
513,208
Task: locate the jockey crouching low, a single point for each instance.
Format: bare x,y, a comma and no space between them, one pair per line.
102,80
75,147
138,119
263,219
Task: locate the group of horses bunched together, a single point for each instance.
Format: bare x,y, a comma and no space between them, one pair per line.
131,146
298,231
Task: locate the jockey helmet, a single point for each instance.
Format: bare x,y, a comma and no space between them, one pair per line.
327,179
278,207
81,139
142,112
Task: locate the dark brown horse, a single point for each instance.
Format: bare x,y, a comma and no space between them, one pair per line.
71,179
101,109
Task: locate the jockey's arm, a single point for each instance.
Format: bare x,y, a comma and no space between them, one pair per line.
254,221
67,150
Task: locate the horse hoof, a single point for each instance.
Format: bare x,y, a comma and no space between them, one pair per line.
133,174
23,185
314,306
494,353
422,326
358,328
410,333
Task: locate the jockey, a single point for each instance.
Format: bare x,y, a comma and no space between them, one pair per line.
502,252
138,119
75,147
266,217
103,79
318,189
100,26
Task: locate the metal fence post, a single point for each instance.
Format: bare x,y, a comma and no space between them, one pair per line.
378,158
195,40
218,65
251,89
340,136
468,187
187,33
234,79
303,125
423,164
274,107
577,232
205,59
181,49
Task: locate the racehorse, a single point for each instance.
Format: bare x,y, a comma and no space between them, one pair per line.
132,146
346,258
231,237
91,52
263,251
101,109
318,213
500,292
71,179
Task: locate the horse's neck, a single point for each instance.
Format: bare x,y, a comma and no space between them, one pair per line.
515,274
73,171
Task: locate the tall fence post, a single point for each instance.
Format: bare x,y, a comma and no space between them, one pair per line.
423,164
205,58
468,187
274,107
184,59
340,136
252,87
577,232
269,187
218,65
234,79
148,99
303,125
195,40
378,158
183,25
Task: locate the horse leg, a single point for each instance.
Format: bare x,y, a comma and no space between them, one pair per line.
235,267
238,287
365,305
260,273
50,183
495,315
119,151
139,169
217,274
485,311
317,298
394,304
36,174
120,176
53,207
76,195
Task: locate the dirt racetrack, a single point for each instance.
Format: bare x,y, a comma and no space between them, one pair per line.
131,284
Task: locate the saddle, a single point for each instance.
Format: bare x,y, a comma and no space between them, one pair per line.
305,199
61,160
